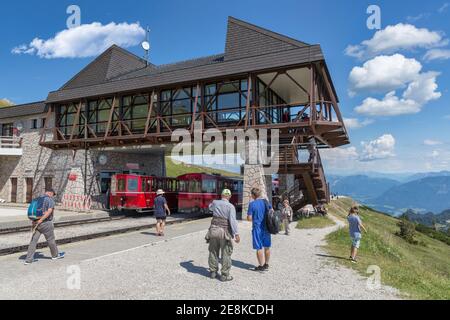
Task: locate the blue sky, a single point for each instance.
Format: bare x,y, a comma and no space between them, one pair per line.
416,137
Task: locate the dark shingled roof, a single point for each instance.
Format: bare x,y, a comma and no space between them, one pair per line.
248,49
22,110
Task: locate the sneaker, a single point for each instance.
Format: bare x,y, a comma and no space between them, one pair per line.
213,275
353,260
27,263
259,268
226,278
60,255
266,267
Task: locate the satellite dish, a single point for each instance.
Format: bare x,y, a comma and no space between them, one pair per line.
146,45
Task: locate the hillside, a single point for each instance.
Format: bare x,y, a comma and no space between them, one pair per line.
428,194
430,219
361,187
175,170
420,271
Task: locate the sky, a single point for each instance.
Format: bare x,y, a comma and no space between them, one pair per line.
392,80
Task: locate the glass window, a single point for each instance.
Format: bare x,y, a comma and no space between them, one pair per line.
121,184
133,184
209,186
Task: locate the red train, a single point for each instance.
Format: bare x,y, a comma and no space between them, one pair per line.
197,190
187,193
137,192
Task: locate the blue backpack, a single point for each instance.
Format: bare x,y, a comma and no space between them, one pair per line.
36,208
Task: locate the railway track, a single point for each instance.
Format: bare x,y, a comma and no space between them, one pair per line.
95,235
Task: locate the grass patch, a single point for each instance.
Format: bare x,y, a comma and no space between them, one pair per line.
175,170
421,271
316,222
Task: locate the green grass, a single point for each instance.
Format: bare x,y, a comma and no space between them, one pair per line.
418,271
316,222
175,170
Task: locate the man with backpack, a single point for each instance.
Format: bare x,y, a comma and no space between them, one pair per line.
260,213
42,211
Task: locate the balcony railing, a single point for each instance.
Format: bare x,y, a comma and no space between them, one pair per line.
10,143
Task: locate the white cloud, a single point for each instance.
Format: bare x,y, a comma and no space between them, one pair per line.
354,123
86,40
390,105
418,93
384,73
378,149
399,37
429,142
437,54
444,7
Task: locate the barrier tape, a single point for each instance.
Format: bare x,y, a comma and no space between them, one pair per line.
77,202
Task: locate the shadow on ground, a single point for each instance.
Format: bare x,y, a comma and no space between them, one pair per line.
333,257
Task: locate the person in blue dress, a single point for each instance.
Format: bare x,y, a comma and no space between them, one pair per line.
262,240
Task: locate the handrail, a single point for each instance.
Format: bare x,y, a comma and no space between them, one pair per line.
10,142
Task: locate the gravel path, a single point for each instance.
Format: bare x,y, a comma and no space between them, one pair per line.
177,269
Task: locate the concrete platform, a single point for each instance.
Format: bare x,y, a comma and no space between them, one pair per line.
14,216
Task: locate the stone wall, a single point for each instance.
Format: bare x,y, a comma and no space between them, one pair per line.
254,178
38,163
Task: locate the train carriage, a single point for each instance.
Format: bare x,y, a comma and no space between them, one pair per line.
137,192
197,190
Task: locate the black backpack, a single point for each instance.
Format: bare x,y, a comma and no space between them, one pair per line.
272,220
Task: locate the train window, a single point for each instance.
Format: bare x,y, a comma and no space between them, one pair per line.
195,186
121,184
133,184
209,186
149,185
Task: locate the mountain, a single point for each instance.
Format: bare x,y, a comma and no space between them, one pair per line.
424,175
429,219
423,195
360,187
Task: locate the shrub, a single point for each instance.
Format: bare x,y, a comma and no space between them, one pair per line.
407,231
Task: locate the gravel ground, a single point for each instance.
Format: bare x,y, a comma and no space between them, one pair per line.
177,269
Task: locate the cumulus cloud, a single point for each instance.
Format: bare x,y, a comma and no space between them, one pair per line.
421,89
381,148
437,54
339,155
86,40
384,73
394,38
429,142
354,123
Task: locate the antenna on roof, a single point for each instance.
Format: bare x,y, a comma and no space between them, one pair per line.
146,46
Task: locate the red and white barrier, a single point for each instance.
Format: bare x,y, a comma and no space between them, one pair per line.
77,202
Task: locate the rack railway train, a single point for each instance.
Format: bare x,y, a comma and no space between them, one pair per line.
188,193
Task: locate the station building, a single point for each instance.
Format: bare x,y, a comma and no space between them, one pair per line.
119,112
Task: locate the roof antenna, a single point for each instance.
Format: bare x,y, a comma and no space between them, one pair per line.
146,46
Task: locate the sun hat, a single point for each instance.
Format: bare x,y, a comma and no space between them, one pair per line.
160,192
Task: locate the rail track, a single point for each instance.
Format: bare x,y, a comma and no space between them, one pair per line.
95,235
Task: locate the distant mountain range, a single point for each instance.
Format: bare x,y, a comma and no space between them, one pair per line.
423,193
429,219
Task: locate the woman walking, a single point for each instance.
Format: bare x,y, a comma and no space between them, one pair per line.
287,215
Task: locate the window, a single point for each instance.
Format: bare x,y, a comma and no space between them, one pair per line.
43,120
34,124
121,184
66,115
7,130
98,114
133,184
177,105
135,112
209,186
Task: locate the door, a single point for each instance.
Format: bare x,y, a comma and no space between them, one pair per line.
14,190
29,194
48,181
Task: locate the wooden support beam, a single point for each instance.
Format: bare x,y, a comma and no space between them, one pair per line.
312,195
111,114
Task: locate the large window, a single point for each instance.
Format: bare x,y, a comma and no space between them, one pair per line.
272,102
98,114
135,112
66,116
177,105
209,186
7,129
226,102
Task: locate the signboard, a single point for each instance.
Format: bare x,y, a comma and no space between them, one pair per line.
133,166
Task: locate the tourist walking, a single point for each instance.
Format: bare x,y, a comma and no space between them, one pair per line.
44,225
221,234
355,227
287,215
161,208
262,240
